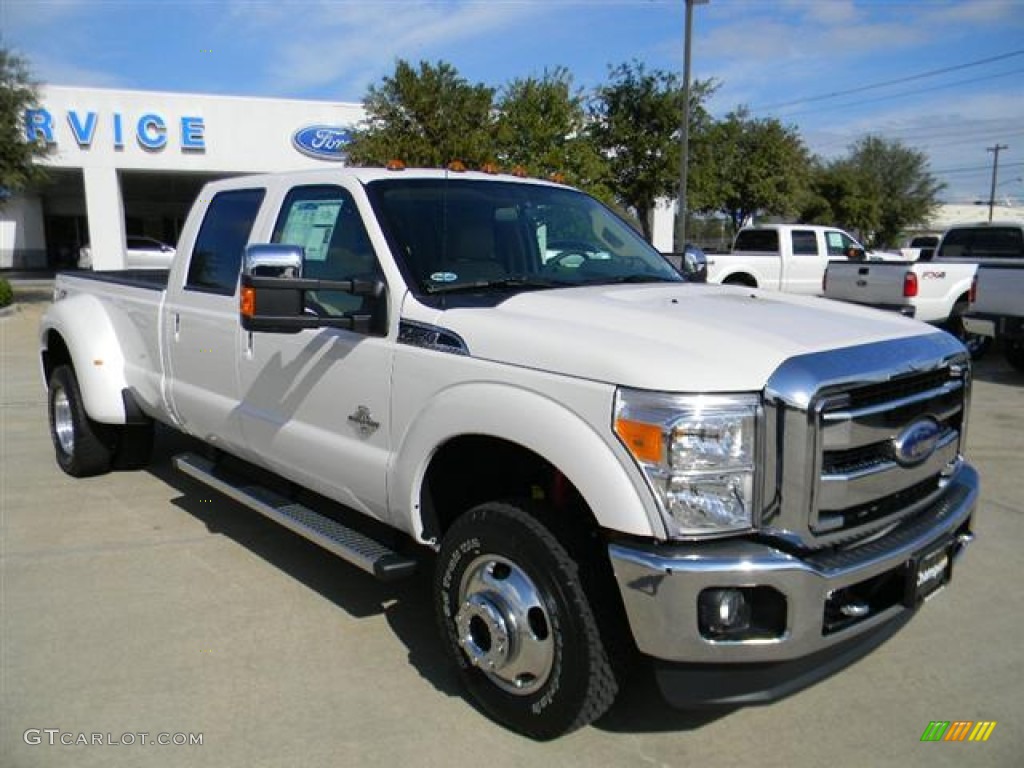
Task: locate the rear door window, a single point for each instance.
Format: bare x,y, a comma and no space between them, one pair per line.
217,255
765,240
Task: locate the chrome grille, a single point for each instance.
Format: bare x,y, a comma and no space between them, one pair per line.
836,475
860,479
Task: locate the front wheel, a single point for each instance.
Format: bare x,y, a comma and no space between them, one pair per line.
516,621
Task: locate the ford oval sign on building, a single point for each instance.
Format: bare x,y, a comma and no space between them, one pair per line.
323,142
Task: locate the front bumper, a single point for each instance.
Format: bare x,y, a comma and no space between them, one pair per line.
660,585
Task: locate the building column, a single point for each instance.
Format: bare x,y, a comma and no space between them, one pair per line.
663,224
105,210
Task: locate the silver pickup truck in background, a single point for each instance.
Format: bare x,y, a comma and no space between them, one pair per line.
499,380
997,306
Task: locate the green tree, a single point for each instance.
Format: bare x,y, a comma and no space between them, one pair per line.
425,117
839,195
879,189
18,92
541,127
635,124
745,166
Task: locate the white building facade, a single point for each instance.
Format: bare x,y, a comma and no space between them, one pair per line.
131,163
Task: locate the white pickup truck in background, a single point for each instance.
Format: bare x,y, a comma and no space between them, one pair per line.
498,380
936,292
786,257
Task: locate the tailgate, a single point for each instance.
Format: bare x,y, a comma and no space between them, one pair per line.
875,283
1000,291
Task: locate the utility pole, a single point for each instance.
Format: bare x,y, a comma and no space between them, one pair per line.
680,243
995,172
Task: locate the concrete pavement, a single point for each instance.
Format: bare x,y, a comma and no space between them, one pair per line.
141,603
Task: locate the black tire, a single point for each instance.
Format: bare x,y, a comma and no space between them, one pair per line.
1014,352
134,446
83,447
976,344
559,639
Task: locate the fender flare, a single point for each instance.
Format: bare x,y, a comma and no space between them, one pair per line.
605,475
97,353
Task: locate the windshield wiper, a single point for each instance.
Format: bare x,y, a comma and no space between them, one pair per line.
631,279
500,284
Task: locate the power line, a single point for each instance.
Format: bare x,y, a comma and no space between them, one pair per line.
886,83
973,169
901,94
930,142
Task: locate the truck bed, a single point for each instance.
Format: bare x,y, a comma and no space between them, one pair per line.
150,279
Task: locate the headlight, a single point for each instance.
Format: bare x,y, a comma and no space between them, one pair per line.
698,455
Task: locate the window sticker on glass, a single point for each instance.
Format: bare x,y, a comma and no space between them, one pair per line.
835,239
311,224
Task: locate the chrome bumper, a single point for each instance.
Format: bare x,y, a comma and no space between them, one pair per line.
660,584
981,326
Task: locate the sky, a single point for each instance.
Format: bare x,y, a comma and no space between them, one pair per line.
945,77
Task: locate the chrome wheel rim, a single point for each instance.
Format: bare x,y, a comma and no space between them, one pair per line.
63,423
503,625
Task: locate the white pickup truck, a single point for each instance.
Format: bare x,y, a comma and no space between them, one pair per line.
498,379
785,257
936,292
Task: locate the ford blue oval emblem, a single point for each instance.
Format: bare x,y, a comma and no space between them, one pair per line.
324,142
917,442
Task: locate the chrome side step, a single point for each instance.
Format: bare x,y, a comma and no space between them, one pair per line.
350,545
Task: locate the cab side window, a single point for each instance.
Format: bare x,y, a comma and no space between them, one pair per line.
217,255
804,243
324,221
838,243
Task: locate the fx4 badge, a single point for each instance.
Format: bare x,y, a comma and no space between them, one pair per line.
363,421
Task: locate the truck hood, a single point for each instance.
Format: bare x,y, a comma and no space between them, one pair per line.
672,337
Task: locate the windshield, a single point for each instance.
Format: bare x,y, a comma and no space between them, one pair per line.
477,235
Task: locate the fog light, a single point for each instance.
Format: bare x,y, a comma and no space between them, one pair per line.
723,612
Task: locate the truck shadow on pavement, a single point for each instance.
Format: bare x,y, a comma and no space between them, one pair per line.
993,368
406,605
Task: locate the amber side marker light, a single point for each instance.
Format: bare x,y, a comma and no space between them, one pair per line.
395,165
490,168
457,166
519,171
247,301
642,440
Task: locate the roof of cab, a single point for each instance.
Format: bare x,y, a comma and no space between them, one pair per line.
365,176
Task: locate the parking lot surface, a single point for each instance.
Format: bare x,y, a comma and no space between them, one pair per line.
142,603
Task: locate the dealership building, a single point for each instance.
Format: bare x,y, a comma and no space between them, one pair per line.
130,163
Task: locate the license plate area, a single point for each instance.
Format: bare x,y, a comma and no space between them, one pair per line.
928,572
